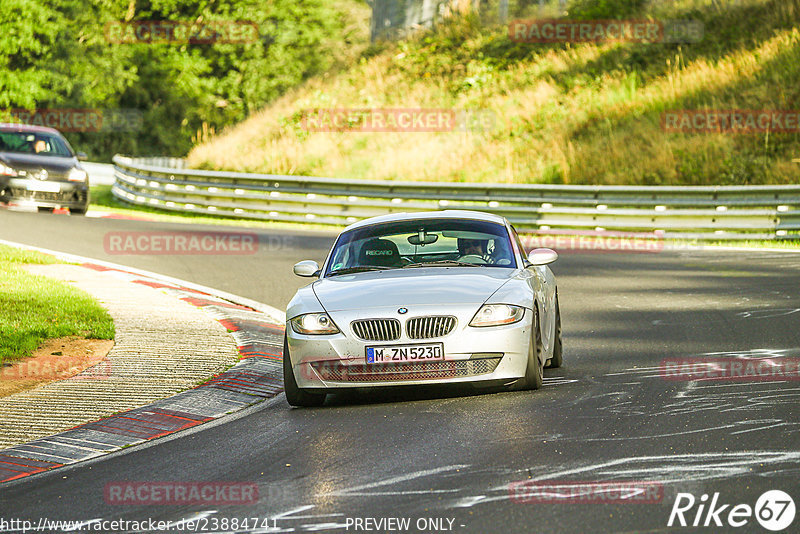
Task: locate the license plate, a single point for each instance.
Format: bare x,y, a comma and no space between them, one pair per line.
47,187
405,353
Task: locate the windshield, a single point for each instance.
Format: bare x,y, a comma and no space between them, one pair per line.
422,243
37,143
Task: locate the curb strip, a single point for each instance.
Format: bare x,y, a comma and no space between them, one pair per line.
256,377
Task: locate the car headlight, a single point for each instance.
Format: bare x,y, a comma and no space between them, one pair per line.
314,323
77,175
5,170
497,314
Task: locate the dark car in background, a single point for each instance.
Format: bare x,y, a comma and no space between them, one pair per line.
39,168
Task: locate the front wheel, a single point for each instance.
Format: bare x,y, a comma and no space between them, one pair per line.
558,350
295,395
534,372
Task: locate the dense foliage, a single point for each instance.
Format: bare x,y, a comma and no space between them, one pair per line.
57,55
564,112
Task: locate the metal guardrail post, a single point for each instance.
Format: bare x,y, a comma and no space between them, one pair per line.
702,212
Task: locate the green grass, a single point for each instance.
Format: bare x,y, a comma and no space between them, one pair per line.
579,113
34,309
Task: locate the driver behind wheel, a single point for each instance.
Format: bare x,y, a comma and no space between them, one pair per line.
472,247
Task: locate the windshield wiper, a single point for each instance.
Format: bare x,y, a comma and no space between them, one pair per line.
360,269
445,263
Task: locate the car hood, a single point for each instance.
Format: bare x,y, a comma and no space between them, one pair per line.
411,287
30,162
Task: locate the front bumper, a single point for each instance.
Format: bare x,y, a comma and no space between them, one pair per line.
62,194
490,355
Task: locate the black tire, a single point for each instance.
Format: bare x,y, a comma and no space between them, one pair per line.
78,211
47,210
295,395
558,350
534,373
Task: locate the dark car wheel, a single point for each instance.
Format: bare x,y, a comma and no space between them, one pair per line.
294,395
46,210
534,373
78,211
558,350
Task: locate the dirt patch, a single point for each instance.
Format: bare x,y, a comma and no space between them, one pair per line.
57,359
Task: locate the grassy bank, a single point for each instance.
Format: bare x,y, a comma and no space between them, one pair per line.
563,113
36,308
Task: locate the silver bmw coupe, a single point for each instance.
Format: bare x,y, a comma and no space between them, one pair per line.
440,297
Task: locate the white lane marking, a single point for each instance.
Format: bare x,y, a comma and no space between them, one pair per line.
666,469
97,214
293,511
557,382
389,493
275,314
315,516
696,466
400,478
687,391
752,353
291,516
468,502
634,370
762,428
767,313
326,526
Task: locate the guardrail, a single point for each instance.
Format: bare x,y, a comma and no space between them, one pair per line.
701,212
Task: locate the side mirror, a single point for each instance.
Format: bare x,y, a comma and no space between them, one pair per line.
81,156
542,256
307,268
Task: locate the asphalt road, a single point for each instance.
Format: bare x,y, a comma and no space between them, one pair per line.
607,416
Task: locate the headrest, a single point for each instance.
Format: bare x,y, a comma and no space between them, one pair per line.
381,252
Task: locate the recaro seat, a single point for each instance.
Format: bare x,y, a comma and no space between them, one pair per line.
380,252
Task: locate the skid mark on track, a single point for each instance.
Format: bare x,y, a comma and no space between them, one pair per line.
676,472
725,316
360,490
679,472
707,406
767,313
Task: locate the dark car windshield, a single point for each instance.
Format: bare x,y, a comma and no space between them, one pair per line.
36,143
422,243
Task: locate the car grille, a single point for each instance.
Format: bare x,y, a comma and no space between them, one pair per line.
377,329
390,372
430,327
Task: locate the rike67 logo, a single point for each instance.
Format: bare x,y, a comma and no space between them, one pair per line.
774,510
